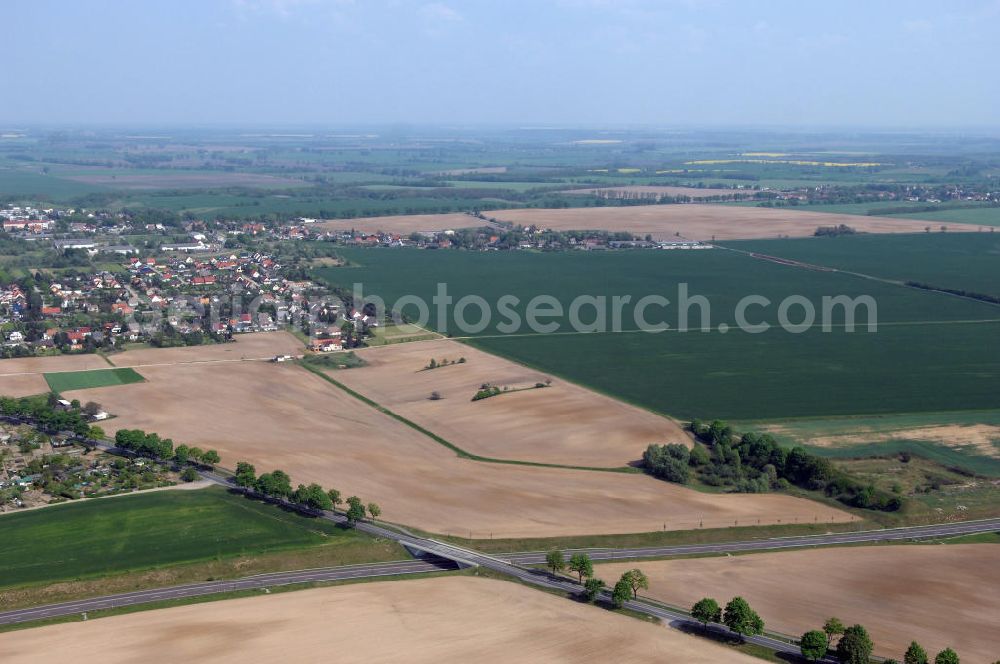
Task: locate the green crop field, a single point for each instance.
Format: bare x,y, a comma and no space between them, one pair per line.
969,261
113,535
305,203
777,375
81,380
30,185
930,353
986,216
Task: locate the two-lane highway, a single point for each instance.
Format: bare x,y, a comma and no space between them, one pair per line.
256,582
830,539
433,555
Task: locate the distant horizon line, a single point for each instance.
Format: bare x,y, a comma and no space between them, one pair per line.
278,127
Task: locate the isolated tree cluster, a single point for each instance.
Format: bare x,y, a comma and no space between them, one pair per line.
756,463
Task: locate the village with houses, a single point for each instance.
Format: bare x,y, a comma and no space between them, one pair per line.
163,297
126,282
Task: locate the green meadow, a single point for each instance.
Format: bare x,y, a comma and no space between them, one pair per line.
149,530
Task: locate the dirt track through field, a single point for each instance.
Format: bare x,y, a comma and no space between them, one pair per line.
940,595
427,620
561,423
697,221
282,416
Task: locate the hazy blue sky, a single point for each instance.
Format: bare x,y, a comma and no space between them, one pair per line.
838,62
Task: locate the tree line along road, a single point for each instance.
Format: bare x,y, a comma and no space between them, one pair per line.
431,555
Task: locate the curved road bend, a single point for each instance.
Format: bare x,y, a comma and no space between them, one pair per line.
436,555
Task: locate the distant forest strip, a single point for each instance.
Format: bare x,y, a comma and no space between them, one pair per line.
982,297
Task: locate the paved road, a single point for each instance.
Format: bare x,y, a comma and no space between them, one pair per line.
434,555
259,581
866,536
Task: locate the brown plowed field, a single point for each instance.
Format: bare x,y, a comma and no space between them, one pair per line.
698,221
282,416
562,423
456,619
660,190
260,346
939,595
23,376
404,224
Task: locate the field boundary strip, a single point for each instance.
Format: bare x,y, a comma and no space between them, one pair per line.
448,444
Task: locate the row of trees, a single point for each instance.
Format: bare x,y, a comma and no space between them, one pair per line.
756,463
150,445
46,414
277,484
961,292
144,444
626,588
737,615
855,646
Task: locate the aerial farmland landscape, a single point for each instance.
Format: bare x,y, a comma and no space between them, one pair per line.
514,332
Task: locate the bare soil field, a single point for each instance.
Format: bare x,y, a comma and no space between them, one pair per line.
23,376
980,437
562,423
659,190
283,416
257,346
188,181
703,221
455,619
22,385
404,224
938,595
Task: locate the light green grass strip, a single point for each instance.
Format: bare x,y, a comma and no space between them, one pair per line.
65,381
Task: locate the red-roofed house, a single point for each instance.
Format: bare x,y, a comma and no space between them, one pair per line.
326,345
